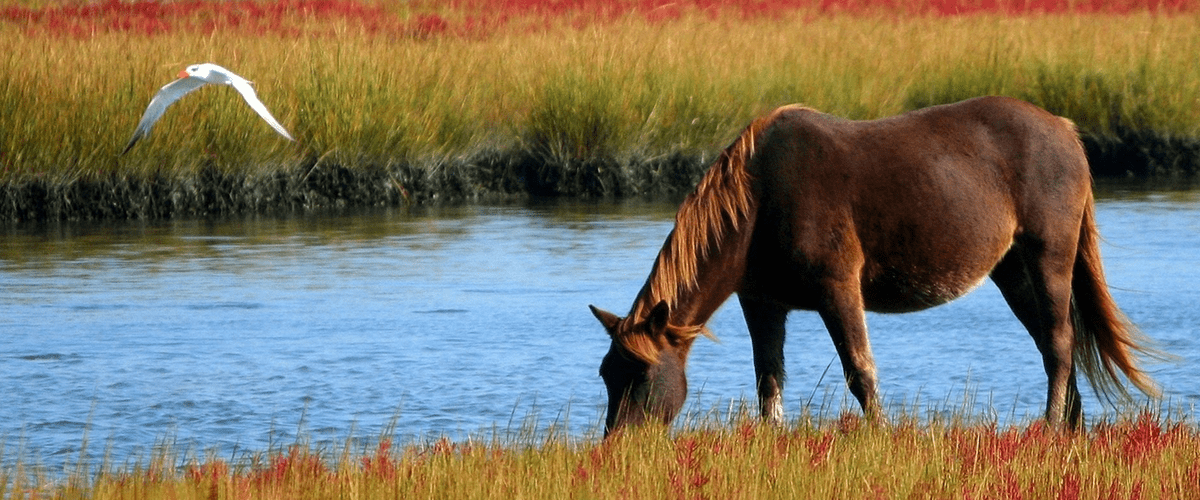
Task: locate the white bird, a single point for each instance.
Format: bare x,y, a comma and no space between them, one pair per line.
192,78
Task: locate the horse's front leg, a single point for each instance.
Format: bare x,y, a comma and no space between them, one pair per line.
846,321
765,320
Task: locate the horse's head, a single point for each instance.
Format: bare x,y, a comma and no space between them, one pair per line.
644,368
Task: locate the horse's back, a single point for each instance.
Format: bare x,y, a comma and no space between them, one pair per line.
998,132
921,205
997,150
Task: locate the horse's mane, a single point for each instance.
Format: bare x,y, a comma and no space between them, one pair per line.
718,206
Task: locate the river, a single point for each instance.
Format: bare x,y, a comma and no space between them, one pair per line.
250,333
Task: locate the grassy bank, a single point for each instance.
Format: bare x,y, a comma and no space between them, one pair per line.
1141,456
398,103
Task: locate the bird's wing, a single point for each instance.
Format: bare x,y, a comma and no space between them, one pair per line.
251,97
167,95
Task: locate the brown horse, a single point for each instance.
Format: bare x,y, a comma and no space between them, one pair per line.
809,211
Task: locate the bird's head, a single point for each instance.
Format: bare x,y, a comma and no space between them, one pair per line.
203,71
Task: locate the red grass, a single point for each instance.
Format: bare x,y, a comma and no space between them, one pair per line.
609,9
980,462
1009,7
258,18
1139,440
382,464
480,18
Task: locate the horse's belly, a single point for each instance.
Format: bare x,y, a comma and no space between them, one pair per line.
933,264
892,290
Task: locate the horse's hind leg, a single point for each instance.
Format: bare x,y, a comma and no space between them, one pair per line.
765,321
1038,290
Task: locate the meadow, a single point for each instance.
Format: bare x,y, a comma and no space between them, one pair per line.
403,102
417,102
1144,455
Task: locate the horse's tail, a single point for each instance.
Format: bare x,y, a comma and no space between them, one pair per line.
1105,339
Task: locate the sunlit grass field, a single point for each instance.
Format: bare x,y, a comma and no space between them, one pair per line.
395,102
422,100
1143,455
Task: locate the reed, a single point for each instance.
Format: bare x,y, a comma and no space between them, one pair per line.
396,102
1141,455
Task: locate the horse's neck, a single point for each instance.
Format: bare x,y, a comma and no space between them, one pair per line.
695,285
701,263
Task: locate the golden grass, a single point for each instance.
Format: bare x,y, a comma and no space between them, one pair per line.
1140,456
630,88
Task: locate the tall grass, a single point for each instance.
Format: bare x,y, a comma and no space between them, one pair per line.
1140,456
416,99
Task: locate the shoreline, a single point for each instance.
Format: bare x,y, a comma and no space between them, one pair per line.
496,175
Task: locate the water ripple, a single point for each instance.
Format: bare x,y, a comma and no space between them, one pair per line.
250,332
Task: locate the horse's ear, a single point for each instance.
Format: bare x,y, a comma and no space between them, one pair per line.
609,320
658,317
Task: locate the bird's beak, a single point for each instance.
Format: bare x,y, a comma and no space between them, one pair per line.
183,74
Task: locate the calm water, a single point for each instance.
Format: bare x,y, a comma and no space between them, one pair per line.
243,334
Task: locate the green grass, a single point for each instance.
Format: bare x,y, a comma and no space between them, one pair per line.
1142,455
623,107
